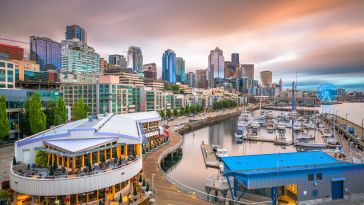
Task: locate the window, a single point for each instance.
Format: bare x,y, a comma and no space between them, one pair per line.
2,64
319,176
311,177
2,76
10,65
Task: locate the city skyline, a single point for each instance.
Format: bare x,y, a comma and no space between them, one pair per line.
321,42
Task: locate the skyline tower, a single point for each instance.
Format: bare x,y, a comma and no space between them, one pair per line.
76,31
180,70
46,52
169,66
216,67
135,59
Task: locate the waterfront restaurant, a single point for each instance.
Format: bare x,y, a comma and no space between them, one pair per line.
82,161
294,178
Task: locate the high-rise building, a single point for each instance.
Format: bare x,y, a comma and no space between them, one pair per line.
135,59
248,70
191,78
76,31
46,52
280,85
216,67
201,76
266,78
150,71
230,69
78,57
12,52
103,65
235,59
119,60
169,66
180,70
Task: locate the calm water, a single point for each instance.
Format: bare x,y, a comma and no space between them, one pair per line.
192,171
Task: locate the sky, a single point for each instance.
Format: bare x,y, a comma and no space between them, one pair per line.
317,41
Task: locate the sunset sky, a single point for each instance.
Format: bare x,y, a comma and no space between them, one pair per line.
321,41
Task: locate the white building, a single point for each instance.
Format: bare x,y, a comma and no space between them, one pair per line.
7,74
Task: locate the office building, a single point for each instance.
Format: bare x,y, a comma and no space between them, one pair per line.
201,78
230,70
126,77
154,84
280,85
78,57
248,69
150,71
89,159
235,59
191,78
169,66
180,70
119,60
46,52
103,65
266,78
7,74
135,59
216,68
76,32
12,52
26,70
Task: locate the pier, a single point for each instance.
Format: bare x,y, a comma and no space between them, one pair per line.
209,156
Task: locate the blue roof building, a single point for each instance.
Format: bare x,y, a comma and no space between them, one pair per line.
294,177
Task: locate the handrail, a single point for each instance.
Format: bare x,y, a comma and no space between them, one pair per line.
190,190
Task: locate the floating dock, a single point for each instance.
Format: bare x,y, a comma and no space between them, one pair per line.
209,156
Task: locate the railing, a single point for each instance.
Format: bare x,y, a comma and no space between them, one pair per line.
195,192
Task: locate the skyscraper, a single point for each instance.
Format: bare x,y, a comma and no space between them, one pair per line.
150,71
280,85
135,59
201,76
12,52
169,66
76,31
191,78
180,70
229,69
119,60
235,59
266,78
78,57
216,67
249,70
46,52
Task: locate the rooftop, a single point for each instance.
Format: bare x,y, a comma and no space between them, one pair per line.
79,145
270,163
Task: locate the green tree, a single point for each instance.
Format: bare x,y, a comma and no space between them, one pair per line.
49,113
4,195
198,108
4,123
169,113
79,110
182,111
193,109
60,112
24,124
37,118
187,110
175,112
41,158
162,114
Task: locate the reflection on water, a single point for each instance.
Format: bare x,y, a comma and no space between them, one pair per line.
192,171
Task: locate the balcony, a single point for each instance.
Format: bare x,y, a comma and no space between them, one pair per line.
43,185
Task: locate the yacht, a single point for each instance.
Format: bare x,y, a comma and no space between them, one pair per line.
255,124
327,133
297,126
241,131
281,125
270,127
270,114
221,153
331,140
309,143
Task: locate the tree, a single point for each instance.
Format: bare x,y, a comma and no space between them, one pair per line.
60,112
49,113
24,124
193,109
162,114
4,195
181,111
175,112
79,110
120,199
40,158
187,110
169,113
4,123
37,118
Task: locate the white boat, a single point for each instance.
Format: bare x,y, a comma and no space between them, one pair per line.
255,124
331,141
270,114
303,136
281,125
297,126
221,153
241,132
327,133
310,144
270,127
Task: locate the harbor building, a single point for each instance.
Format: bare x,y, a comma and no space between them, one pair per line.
83,161
294,178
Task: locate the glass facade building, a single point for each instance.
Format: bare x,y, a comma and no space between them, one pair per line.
180,70
78,57
7,74
135,59
169,66
216,67
46,52
76,31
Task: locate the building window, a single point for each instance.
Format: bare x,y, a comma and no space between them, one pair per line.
2,76
10,65
2,64
319,176
311,177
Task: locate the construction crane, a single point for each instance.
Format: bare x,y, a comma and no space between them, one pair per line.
12,40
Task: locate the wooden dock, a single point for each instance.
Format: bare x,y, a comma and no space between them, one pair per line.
165,192
209,156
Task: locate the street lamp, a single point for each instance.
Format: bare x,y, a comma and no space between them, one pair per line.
346,119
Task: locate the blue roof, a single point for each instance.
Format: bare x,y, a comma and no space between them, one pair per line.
270,163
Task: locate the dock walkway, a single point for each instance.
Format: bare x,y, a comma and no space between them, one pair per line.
165,192
209,156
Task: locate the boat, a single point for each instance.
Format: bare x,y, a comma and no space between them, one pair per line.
331,140
297,126
255,124
270,127
303,136
310,144
270,114
221,153
281,125
241,133
327,133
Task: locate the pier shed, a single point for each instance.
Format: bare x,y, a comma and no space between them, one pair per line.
293,178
